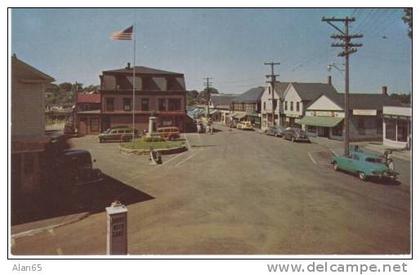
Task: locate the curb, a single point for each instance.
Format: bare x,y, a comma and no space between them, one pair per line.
49,227
166,151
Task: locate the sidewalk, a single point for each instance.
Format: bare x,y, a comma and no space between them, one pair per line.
377,147
31,228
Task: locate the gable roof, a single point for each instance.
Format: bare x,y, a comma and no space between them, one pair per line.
251,96
142,70
364,101
311,91
88,98
280,88
27,72
221,99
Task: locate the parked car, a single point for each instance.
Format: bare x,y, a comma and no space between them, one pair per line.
169,133
74,168
364,165
295,134
118,133
245,125
276,131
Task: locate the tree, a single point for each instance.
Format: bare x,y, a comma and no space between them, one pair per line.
204,95
408,19
192,97
403,98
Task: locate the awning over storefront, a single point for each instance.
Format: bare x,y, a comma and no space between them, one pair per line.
239,115
321,121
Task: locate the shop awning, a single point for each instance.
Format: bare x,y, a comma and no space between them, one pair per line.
240,115
321,121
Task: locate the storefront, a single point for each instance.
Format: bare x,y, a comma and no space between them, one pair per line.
397,126
323,126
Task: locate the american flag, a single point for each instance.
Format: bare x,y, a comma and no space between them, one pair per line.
126,34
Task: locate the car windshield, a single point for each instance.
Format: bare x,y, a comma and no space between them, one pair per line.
107,131
375,160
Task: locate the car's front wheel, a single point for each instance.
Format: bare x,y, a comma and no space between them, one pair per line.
335,166
362,176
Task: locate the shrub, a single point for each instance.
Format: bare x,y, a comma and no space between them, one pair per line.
152,139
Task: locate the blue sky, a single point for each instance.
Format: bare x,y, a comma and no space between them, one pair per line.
229,45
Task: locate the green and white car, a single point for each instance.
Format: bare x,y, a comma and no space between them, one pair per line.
364,165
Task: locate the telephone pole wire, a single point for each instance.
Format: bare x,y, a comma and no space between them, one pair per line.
208,86
348,48
273,84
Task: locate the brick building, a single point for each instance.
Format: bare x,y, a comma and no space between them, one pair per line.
159,93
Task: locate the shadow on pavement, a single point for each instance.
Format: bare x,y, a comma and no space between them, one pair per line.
385,181
375,180
91,198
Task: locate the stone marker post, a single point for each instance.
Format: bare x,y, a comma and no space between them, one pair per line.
116,242
152,127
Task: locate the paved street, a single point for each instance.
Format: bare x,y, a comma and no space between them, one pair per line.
239,192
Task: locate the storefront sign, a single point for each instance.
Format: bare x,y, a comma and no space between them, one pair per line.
357,112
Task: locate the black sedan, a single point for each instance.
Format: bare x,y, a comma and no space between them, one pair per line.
276,131
295,134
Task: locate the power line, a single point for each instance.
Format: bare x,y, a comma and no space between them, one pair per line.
348,48
208,85
273,83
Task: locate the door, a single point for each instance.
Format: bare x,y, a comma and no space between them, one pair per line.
106,123
82,126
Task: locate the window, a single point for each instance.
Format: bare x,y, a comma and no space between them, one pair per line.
127,104
174,104
311,129
285,105
390,129
298,106
264,106
110,104
94,125
145,104
338,130
162,104
291,105
361,126
402,130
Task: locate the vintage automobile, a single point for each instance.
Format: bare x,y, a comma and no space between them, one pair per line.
245,125
363,164
295,134
75,165
169,133
276,131
118,133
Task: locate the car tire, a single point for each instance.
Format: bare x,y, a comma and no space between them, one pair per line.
362,176
101,140
335,166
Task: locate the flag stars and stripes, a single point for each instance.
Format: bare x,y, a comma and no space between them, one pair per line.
126,34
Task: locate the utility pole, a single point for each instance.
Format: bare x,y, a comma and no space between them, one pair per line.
208,85
273,84
348,49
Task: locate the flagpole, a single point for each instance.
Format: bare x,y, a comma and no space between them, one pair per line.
134,78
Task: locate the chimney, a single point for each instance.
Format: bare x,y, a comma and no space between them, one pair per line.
329,81
384,90
128,65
